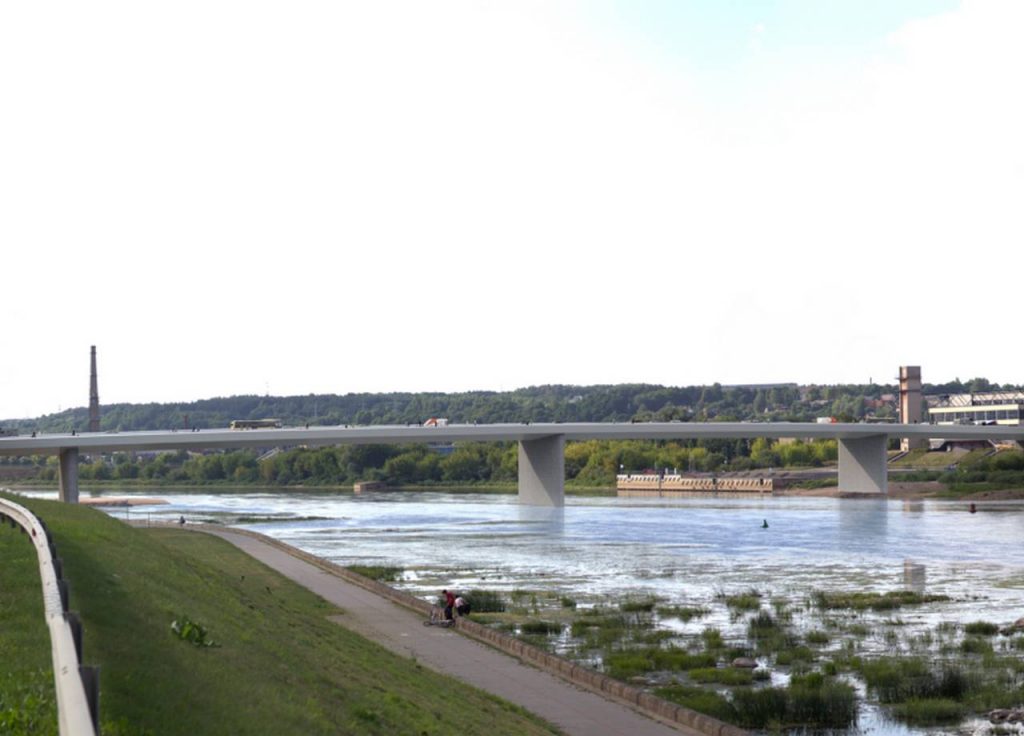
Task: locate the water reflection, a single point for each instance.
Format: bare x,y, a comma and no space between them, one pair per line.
913,576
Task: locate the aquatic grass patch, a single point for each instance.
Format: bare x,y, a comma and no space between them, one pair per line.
683,613
538,626
817,637
899,679
981,628
699,699
975,645
762,625
485,601
712,638
567,602
731,676
861,601
638,605
810,702
813,700
929,711
379,573
749,601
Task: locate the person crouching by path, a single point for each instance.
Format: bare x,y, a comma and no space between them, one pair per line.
449,604
461,606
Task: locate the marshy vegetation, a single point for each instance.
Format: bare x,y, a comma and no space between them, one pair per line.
780,663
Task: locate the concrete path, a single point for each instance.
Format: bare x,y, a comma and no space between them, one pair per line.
572,709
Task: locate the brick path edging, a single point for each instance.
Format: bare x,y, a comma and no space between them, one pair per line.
597,682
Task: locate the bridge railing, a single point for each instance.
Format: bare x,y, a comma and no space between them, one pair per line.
77,687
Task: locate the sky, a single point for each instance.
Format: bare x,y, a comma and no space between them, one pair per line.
331,197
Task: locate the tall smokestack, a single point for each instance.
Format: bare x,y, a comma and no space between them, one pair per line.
94,394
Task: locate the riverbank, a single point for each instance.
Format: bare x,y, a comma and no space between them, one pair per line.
264,656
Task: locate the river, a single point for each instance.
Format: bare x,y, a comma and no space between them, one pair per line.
689,551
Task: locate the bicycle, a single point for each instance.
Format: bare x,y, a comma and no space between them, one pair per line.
437,618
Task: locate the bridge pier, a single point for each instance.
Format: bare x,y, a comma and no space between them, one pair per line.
69,475
863,464
542,471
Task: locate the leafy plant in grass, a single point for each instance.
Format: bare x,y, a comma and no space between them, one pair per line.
485,601
27,704
195,633
378,572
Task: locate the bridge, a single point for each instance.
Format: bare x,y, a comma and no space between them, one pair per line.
862,447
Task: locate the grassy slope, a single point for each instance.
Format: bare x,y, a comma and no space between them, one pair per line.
281,666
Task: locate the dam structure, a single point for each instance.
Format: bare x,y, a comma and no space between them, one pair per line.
862,447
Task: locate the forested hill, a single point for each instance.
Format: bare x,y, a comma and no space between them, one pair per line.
625,402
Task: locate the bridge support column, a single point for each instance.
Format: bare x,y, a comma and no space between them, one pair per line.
69,475
862,464
542,471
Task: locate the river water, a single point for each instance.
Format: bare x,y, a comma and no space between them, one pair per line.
688,551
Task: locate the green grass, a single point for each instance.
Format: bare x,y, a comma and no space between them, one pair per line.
281,665
684,613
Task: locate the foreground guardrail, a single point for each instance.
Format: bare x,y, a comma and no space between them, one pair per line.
77,686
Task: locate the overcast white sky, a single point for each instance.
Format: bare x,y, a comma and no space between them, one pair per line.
296,197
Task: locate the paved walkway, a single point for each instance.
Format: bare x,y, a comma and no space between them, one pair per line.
572,709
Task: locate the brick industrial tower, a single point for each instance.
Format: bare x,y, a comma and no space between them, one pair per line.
94,394
910,404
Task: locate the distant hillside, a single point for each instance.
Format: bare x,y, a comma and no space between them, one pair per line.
558,403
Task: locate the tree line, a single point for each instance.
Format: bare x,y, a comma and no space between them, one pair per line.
590,463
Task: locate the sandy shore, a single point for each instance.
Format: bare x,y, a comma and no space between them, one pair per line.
121,501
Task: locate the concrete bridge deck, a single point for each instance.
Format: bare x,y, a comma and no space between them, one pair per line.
862,447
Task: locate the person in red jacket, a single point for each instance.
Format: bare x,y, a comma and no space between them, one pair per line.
449,604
